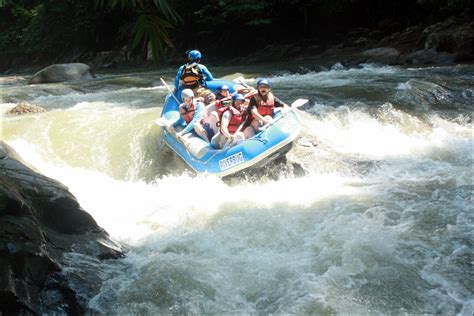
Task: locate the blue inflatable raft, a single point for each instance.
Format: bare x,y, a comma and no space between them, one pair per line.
265,146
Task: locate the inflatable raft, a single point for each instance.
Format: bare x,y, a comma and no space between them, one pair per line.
270,143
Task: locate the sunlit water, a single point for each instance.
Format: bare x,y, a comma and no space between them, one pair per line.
382,222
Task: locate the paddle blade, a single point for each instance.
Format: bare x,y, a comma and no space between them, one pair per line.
238,79
299,102
163,122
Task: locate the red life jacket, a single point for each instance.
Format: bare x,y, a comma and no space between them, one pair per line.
265,107
187,113
191,75
237,118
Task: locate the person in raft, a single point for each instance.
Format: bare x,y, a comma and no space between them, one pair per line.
193,75
195,115
223,92
232,119
262,105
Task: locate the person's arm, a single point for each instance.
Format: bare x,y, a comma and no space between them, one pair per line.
198,114
178,76
225,120
258,116
284,107
207,74
254,111
279,103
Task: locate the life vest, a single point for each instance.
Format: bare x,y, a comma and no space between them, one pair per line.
187,113
225,102
237,118
191,75
265,107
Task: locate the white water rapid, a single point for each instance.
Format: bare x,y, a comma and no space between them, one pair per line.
381,223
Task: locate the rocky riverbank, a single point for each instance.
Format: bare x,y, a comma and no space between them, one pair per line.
40,222
441,43
446,42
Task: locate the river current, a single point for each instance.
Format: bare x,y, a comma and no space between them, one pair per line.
382,222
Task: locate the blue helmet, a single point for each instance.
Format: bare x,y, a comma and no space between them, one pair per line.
194,55
224,87
238,96
263,81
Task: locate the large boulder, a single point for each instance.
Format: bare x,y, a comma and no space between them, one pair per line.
40,221
61,73
430,56
384,55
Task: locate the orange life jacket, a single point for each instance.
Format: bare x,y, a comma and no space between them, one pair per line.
237,118
265,107
187,113
191,75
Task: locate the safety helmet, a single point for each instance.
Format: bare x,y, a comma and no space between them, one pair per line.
238,96
194,55
187,93
224,87
263,81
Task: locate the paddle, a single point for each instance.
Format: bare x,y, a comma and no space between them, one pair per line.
296,104
299,102
231,138
163,122
241,81
172,94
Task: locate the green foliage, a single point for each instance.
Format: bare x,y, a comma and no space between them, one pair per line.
151,29
38,31
155,17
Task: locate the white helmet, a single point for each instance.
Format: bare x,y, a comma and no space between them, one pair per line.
187,93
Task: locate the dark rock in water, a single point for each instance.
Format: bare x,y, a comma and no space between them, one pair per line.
61,73
430,56
384,55
24,108
40,220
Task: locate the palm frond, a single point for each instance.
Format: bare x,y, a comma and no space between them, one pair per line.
152,29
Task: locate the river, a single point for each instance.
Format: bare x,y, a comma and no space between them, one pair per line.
381,223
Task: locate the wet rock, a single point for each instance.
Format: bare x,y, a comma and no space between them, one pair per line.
24,108
430,56
62,73
361,41
105,59
40,221
452,36
384,55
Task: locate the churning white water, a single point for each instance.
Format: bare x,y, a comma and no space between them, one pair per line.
381,223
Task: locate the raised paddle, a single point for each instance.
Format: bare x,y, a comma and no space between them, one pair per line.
241,81
172,94
163,122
